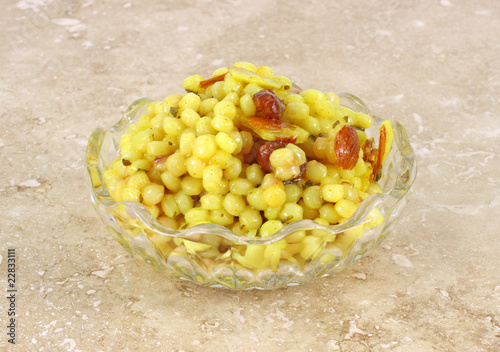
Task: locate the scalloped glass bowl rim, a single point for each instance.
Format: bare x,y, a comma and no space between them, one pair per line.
384,201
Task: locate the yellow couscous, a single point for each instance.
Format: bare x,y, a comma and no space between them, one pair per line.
247,150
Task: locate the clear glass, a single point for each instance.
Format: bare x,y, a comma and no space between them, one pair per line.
211,255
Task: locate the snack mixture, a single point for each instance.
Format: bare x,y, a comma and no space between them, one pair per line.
248,150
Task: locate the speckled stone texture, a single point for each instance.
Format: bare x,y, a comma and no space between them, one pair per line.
68,67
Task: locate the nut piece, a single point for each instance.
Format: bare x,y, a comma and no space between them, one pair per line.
347,147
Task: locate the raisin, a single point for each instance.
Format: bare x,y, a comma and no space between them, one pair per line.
268,105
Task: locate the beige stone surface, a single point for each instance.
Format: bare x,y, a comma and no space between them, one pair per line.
68,67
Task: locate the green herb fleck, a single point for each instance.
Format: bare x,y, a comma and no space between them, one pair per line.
174,111
309,183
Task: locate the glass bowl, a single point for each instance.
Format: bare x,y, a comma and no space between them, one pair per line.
213,255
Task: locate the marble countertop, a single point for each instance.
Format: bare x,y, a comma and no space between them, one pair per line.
71,66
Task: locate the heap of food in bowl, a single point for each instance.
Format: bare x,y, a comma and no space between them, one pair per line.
249,151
